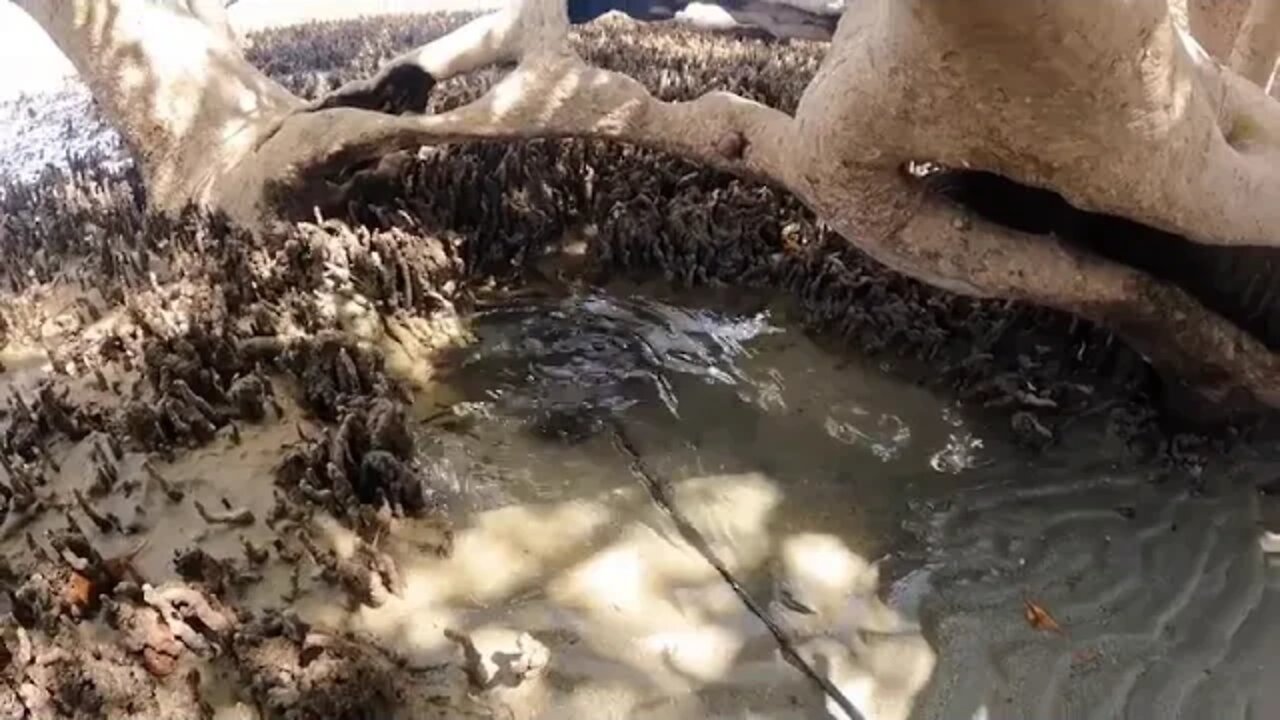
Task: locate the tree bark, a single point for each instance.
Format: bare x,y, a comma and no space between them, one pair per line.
1243,34
1108,103
1214,23
184,99
1257,45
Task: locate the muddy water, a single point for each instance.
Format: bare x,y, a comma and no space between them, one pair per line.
896,538
703,387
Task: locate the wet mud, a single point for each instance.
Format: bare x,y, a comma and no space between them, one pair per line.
369,466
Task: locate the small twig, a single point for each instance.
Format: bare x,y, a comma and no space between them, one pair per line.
48,459
117,449
202,406
37,549
438,415
104,523
236,517
173,493
254,554
660,491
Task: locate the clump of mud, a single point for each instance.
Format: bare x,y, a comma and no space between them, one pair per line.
295,671
156,649
145,666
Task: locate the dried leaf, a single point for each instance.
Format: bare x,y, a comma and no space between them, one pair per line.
79,591
1039,618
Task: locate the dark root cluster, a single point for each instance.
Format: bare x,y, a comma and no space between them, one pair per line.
366,464
412,236
646,214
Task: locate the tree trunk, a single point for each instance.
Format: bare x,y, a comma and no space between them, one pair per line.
176,87
1215,23
1110,104
1244,34
1257,45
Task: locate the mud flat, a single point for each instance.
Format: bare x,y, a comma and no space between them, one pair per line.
576,430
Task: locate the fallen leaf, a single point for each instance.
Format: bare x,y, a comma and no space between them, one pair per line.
79,591
1039,618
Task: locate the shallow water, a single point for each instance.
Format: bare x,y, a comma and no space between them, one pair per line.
701,391
1165,599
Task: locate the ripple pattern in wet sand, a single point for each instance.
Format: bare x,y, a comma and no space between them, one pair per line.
1165,599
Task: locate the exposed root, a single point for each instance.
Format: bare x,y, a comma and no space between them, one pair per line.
37,421
368,577
367,462
218,577
172,492
234,517
105,523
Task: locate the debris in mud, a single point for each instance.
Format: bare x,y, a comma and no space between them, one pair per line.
34,423
1030,431
256,556
158,628
1039,618
368,577
367,461
217,576
1128,512
234,517
63,673
171,621
1086,657
172,492
294,671
494,657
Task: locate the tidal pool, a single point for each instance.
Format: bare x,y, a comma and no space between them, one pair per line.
901,543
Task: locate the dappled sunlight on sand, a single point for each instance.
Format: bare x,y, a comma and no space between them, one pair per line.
636,614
